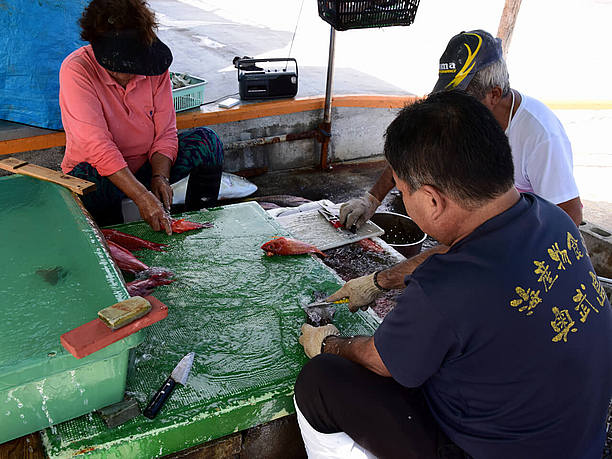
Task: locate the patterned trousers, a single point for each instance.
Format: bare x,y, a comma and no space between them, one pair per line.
197,147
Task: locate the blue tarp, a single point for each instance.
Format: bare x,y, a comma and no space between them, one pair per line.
35,37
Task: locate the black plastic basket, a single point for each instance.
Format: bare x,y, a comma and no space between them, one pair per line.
361,14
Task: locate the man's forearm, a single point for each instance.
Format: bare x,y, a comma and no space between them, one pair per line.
384,184
359,349
573,208
393,277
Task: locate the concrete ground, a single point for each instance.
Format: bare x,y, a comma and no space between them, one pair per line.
205,35
546,60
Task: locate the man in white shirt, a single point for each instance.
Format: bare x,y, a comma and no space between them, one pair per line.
542,154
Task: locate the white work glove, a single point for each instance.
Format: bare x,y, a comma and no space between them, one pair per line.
360,292
357,211
312,338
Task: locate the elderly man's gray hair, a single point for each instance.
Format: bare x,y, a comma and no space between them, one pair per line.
486,79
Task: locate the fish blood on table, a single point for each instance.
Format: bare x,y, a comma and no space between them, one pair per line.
287,246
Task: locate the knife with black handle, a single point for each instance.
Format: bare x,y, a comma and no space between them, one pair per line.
179,375
160,398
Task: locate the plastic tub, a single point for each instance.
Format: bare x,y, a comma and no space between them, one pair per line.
401,232
190,96
55,276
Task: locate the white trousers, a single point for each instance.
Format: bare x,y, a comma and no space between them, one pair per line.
335,445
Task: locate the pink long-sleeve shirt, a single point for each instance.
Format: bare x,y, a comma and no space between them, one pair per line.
111,127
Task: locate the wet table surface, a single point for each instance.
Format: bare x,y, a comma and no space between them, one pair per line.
240,312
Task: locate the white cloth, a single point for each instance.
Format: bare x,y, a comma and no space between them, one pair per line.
336,445
542,153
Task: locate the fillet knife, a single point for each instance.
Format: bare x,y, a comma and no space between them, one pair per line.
179,375
322,312
333,219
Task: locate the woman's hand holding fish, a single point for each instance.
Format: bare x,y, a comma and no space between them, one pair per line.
360,291
160,186
152,211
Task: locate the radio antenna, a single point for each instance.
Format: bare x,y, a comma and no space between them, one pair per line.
294,31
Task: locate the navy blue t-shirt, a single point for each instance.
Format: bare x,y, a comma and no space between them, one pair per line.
510,336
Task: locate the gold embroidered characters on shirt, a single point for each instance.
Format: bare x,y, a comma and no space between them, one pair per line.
562,324
556,254
572,244
584,305
545,275
599,289
531,297
528,298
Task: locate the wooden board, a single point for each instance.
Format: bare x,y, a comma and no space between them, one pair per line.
74,184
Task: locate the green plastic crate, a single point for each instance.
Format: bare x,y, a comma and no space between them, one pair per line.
190,96
41,384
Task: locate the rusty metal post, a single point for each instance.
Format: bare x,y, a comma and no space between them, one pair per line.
325,127
241,144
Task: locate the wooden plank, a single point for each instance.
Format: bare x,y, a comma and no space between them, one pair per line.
74,184
374,101
27,447
259,110
287,106
248,111
507,22
225,447
38,142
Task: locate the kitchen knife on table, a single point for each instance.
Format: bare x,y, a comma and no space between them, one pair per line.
179,375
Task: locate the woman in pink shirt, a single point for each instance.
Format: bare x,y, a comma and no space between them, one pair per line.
120,123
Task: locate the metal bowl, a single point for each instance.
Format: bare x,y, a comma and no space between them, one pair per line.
401,232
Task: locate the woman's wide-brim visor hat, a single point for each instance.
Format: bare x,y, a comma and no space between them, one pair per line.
123,51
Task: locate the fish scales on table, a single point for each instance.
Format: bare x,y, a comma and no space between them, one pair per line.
287,246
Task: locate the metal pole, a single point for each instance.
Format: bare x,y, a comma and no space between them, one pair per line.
330,76
326,125
239,145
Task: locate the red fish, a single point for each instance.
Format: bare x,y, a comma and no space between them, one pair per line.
182,225
143,287
125,260
370,245
287,246
131,242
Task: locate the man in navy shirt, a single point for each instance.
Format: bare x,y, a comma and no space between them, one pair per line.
500,345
